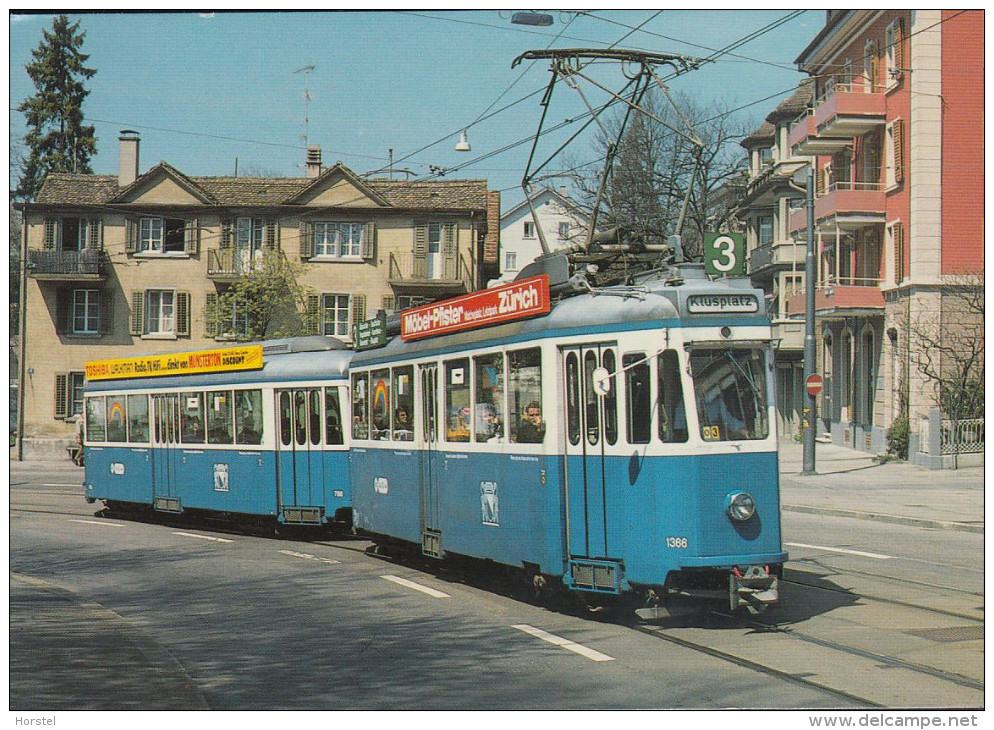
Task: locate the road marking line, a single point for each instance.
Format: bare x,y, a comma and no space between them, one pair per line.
416,586
95,522
203,537
78,484
841,550
559,641
307,556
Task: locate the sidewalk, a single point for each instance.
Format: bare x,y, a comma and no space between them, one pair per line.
850,483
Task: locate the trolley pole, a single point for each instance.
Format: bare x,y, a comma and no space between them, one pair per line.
810,365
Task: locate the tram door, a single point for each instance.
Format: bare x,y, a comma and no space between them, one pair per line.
430,462
166,453
299,475
591,423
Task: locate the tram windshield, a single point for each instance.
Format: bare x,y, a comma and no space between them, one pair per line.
731,393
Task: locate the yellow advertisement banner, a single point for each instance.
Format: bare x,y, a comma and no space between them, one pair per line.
179,363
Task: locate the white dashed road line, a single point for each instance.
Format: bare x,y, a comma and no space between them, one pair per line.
203,537
307,556
860,553
96,522
559,641
416,586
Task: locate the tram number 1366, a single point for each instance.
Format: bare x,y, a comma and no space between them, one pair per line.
676,542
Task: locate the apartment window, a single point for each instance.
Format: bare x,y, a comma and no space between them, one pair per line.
72,234
405,301
161,235
510,261
529,229
894,51
335,315
563,230
86,312
338,240
764,230
68,395
160,313
249,233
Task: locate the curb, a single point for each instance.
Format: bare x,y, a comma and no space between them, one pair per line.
894,519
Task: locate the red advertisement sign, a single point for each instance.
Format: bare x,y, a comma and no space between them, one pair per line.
517,300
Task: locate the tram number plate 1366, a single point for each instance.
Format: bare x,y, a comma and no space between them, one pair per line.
676,542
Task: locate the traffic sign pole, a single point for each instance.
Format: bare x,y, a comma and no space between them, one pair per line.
810,365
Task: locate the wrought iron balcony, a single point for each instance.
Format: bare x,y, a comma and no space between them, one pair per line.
448,275
230,264
86,265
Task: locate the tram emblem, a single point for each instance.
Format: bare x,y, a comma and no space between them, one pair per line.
489,504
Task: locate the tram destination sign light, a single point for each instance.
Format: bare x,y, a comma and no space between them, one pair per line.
506,303
177,363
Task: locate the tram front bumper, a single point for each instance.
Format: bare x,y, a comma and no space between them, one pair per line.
756,589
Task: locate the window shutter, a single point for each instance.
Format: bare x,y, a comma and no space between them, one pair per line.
130,235
94,234
898,233
61,395
358,304
898,150
226,234
272,235
312,317
136,325
389,303
63,311
182,314
191,237
210,315
51,234
820,182
368,240
450,249
106,303
420,268
306,239
899,47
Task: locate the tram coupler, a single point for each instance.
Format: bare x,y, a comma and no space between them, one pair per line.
757,589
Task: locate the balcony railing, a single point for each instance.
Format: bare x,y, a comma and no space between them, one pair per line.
232,263
444,273
841,112
85,265
779,252
846,204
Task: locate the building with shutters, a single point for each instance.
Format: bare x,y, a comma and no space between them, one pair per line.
134,264
893,127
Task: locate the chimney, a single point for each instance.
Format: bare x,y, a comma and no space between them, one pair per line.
313,161
127,161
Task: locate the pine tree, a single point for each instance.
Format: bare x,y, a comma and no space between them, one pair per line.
57,139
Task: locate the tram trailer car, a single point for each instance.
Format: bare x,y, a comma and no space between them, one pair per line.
266,444
623,446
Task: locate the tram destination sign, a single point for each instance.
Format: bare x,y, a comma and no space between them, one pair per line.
505,303
722,303
177,363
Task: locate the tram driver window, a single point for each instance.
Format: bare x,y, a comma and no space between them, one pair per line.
403,399
524,393
379,406
489,406
457,400
332,418
672,413
219,423
116,419
192,418
360,388
248,417
731,393
637,397
138,419
96,423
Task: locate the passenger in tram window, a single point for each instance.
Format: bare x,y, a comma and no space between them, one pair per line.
531,430
488,425
403,429
248,417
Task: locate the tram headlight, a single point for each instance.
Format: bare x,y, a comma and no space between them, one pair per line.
740,506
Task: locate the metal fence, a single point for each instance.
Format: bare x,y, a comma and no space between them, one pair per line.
954,437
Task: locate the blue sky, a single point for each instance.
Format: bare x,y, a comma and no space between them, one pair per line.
203,91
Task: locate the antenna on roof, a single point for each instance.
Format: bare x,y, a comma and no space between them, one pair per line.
306,70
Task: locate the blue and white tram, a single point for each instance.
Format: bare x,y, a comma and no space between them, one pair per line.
269,443
623,444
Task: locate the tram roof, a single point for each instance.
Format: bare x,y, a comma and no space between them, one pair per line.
653,303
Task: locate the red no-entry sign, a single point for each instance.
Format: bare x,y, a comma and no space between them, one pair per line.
814,384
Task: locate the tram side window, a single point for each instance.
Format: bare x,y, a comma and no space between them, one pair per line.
379,406
285,406
672,413
637,397
360,412
314,415
489,407
403,398
457,400
610,399
219,421
300,416
524,393
138,419
192,418
116,419
248,417
332,418
96,422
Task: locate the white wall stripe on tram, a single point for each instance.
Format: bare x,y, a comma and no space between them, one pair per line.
308,556
96,522
416,586
860,553
203,537
559,641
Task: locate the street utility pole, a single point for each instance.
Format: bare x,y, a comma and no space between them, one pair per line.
810,412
